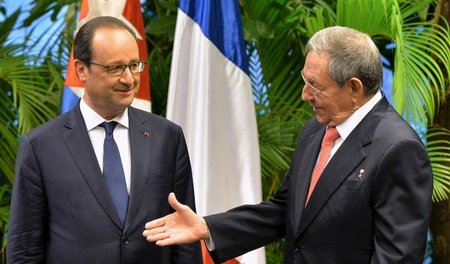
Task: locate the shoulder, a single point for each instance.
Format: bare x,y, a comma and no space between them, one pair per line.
395,128
152,120
55,125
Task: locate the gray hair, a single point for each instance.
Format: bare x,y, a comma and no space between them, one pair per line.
352,54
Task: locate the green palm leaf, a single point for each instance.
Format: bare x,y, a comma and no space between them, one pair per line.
438,147
31,93
420,47
280,110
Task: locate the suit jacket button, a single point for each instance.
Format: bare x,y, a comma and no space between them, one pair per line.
298,248
125,241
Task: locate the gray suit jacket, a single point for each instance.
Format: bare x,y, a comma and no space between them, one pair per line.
381,216
61,210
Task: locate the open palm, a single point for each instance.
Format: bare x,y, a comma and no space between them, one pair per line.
181,227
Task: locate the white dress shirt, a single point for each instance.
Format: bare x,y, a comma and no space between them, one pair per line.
346,127
97,136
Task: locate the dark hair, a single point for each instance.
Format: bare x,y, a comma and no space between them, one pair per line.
82,47
352,54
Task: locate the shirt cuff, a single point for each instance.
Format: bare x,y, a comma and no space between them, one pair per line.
209,242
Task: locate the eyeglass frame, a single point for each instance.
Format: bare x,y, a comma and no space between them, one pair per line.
108,67
316,91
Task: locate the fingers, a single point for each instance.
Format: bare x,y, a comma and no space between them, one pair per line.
155,231
155,236
155,223
165,242
174,202
176,228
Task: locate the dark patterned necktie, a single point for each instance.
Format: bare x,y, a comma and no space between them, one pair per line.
113,172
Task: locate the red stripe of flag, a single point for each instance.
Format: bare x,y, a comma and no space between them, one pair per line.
208,260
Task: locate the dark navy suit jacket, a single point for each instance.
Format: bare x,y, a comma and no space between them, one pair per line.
61,210
372,203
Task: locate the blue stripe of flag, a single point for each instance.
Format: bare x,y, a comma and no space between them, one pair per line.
69,100
220,22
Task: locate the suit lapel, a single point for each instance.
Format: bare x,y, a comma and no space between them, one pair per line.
343,163
345,160
79,144
141,150
305,171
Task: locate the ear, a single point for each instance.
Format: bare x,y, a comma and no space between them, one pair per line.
357,90
80,68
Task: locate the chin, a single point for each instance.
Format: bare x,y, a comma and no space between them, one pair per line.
322,120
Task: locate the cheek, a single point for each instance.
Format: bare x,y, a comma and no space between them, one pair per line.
330,108
340,110
100,86
345,104
137,80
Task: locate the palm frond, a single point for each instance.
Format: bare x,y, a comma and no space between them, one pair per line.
159,76
438,147
31,93
426,59
280,111
421,49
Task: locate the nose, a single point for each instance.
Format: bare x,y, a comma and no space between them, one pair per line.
307,94
127,77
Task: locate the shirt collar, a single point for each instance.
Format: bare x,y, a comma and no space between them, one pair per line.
346,127
92,119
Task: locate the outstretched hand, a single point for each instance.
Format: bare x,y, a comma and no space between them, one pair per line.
181,227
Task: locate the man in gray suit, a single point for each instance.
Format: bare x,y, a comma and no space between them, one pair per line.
372,201
65,206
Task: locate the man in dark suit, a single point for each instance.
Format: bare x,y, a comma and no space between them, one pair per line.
63,209
371,203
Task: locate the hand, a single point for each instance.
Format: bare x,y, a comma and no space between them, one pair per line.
181,227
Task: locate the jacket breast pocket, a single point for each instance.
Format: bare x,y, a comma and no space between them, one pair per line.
159,178
353,184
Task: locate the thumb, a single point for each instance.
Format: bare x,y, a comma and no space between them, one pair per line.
174,202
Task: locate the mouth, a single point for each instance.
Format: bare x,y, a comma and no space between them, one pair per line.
124,90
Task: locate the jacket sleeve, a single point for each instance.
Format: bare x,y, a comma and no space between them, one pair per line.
27,235
402,203
248,227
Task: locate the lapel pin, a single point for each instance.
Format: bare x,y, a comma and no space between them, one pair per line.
146,133
361,172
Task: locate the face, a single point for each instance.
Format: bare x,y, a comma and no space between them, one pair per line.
331,103
110,95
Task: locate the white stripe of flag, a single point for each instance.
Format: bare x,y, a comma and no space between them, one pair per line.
210,97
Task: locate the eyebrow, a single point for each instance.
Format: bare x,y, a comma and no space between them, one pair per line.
313,82
122,63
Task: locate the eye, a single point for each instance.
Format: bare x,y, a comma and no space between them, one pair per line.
314,83
116,69
134,66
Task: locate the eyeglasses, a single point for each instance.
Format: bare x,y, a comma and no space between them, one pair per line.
119,69
316,91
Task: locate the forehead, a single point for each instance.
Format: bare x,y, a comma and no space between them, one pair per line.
316,64
114,43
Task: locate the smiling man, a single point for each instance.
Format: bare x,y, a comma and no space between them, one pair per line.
360,183
87,181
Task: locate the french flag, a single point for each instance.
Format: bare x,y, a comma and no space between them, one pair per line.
210,97
129,11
